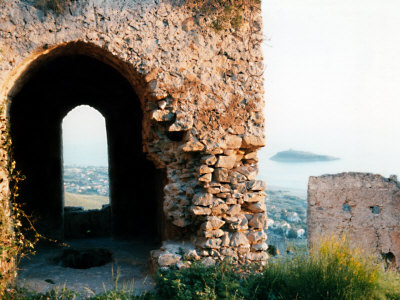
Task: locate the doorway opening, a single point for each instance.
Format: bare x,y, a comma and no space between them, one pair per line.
77,74
87,209
52,89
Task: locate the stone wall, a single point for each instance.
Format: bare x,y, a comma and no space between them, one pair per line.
365,207
201,94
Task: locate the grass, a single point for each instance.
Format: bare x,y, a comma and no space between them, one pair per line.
331,270
86,201
223,281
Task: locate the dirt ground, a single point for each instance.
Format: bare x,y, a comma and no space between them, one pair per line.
128,268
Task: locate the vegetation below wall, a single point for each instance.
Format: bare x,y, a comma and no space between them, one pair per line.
334,270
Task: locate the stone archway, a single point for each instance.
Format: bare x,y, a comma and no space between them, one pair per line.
69,76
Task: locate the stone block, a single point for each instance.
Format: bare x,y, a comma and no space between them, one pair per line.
191,255
227,162
258,221
240,187
257,207
208,243
160,115
233,141
223,195
211,234
206,177
239,239
249,171
200,211
168,259
225,188
256,185
209,160
257,237
203,199
229,252
204,169
251,141
183,122
193,145
240,224
207,261
234,210
236,177
213,190
221,175
251,155
219,209
255,197
226,240
231,201
212,223
259,247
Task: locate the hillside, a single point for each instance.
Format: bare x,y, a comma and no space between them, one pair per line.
294,156
86,201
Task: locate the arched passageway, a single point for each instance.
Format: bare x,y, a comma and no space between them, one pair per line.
54,88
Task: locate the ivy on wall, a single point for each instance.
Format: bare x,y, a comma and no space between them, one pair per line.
224,13
58,6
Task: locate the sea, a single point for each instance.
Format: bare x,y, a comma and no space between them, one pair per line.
294,176
278,175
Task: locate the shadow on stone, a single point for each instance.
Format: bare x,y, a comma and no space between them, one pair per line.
84,258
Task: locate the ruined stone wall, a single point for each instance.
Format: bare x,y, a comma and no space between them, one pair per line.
365,207
201,93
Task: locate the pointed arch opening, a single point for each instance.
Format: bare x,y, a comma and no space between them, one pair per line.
51,89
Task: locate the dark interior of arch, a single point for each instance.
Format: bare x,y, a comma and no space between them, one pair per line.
36,114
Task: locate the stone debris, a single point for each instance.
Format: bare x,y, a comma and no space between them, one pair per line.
168,259
207,261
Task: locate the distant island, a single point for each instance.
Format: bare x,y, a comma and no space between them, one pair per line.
294,156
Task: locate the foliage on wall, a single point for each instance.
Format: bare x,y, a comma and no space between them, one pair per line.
223,13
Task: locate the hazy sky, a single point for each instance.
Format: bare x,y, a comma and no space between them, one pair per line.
84,137
332,81
333,76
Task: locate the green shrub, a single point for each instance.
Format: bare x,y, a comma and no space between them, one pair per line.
223,281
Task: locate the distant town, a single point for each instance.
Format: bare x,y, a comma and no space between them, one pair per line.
86,180
287,214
